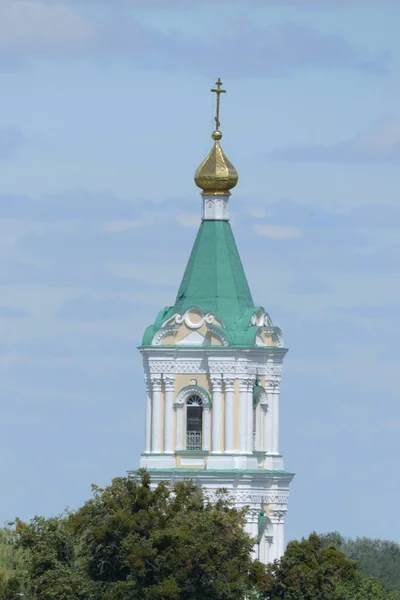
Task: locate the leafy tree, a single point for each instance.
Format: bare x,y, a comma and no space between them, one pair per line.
363,588
165,543
54,569
314,570
13,564
132,542
378,558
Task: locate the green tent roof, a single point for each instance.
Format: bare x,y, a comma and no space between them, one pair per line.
214,278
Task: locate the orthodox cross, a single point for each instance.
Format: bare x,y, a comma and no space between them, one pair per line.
218,91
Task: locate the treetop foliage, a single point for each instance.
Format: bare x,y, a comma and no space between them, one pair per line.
131,541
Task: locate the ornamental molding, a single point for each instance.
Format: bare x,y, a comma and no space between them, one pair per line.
215,330
248,498
216,383
277,515
191,366
156,382
272,385
208,318
229,384
253,515
190,390
161,366
274,368
169,381
162,333
177,363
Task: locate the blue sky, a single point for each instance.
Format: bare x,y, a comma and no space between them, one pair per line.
105,115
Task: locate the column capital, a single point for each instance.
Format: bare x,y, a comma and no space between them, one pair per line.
156,382
216,383
277,515
272,385
246,383
169,382
229,384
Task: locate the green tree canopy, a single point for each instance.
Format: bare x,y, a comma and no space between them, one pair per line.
133,542
307,571
315,570
377,558
13,563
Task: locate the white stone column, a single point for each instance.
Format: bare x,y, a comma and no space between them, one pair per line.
263,426
259,425
275,417
169,388
266,548
216,416
242,415
206,428
147,446
156,414
180,415
277,517
271,421
249,416
252,528
229,384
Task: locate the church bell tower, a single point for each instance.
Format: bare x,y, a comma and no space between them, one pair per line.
213,365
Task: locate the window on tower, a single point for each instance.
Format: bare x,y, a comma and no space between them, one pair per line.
194,423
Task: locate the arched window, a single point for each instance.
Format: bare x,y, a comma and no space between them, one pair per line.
194,422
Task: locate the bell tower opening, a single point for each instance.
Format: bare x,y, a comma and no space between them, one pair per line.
194,423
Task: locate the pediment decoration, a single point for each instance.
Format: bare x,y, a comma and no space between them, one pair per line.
192,328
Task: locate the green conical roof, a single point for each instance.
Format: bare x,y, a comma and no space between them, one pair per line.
214,278
214,281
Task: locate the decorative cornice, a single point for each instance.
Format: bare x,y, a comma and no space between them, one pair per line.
178,363
249,498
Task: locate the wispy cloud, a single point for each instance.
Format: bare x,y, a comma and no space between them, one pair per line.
35,25
243,48
277,232
378,144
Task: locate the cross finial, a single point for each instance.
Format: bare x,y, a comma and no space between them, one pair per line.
217,90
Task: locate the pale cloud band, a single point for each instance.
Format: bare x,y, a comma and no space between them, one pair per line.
378,144
30,28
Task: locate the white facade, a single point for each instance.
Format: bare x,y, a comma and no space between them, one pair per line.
213,367
236,444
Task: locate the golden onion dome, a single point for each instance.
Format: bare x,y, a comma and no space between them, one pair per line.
216,174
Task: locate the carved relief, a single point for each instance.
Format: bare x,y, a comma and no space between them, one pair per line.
229,384
272,370
189,391
162,333
272,385
277,515
169,382
216,384
194,318
161,366
249,498
156,382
